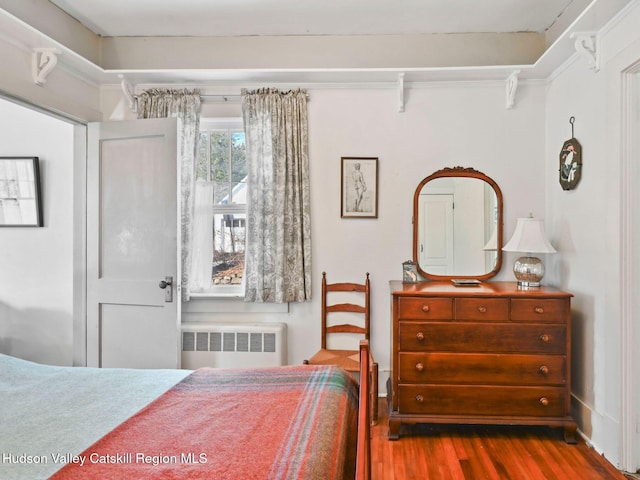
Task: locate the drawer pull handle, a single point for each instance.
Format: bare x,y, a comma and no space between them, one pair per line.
420,366
544,338
482,309
538,310
544,401
425,308
419,398
544,370
420,336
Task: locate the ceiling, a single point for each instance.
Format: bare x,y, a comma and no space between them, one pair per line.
224,43
116,18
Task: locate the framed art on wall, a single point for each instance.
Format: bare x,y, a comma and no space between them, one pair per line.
570,164
570,161
359,187
20,195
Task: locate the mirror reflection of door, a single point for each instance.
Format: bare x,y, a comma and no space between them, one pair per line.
436,249
453,221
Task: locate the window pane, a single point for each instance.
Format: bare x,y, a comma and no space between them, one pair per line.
239,192
221,193
238,168
228,248
202,167
220,156
238,158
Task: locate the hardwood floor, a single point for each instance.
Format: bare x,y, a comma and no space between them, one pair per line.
470,452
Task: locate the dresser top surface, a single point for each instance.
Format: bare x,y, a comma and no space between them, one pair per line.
492,289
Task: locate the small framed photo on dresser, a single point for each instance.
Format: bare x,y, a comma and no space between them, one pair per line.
409,272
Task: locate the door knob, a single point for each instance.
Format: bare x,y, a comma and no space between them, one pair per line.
168,292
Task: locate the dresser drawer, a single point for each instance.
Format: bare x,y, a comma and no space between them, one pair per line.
481,337
476,368
425,308
539,310
482,309
482,400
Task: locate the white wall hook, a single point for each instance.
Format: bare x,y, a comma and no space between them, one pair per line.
43,60
511,88
587,45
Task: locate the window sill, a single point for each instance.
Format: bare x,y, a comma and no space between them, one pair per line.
214,295
229,303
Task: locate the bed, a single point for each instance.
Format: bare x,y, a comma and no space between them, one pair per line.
293,422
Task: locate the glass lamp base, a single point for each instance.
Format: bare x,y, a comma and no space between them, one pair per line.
528,271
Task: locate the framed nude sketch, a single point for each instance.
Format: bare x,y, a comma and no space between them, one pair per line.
20,196
359,187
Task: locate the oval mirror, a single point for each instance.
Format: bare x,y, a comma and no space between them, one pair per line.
457,225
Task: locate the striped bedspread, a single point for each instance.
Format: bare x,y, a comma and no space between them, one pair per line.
295,422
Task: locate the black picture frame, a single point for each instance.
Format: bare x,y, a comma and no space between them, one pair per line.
359,187
20,193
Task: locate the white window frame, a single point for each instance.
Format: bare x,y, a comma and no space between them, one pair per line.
224,291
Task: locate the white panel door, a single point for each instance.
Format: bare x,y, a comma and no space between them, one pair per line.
436,247
132,239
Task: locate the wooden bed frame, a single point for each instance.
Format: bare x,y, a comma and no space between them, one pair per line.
365,415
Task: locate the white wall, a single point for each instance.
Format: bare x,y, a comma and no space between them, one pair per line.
584,225
36,263
442,126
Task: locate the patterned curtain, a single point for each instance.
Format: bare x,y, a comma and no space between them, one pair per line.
278,243
185,105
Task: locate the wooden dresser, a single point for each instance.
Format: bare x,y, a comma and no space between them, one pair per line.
487,354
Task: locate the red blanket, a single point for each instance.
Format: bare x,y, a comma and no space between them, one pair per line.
274,423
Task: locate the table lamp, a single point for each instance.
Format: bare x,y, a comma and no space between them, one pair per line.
529,237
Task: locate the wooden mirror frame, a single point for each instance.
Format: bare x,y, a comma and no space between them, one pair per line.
458,172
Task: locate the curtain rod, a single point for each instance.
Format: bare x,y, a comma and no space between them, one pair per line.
223,97
226,97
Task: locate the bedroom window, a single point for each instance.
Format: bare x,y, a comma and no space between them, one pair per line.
222,162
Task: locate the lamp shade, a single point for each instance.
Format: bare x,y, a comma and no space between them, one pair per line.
529,237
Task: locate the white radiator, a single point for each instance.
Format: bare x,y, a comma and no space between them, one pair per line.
233,345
